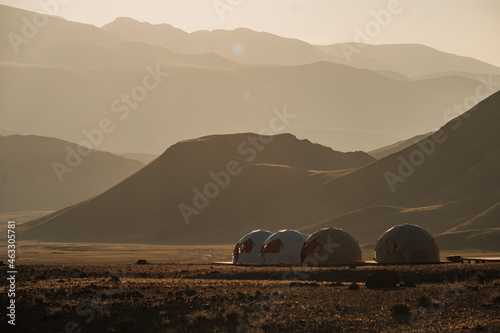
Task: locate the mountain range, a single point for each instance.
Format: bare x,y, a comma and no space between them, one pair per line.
131,89
41,173
224,82
447,183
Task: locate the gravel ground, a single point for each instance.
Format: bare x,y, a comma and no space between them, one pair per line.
225,298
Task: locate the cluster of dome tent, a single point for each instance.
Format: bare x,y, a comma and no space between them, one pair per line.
402,244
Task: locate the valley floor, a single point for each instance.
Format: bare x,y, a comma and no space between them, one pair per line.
226,298
35,252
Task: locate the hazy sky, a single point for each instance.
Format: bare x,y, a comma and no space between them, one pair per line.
465,27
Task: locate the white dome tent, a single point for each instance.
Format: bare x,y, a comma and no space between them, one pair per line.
248,247
282,247
406,244
330,246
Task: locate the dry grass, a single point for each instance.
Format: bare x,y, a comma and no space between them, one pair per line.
35,252
211,298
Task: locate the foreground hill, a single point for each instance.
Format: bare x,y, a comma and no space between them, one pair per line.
265,170
446,182
35,174
455,179
458,161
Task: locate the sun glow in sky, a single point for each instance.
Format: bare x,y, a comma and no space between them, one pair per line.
464,27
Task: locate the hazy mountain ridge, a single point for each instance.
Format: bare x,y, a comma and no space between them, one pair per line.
251,47
440,194
397,147
232,81
35,173
84,96
408,59
21,46
336,105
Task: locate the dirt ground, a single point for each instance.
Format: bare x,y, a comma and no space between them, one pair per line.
226,298
52,253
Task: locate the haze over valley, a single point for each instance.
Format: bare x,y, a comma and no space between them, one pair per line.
75,96
249,166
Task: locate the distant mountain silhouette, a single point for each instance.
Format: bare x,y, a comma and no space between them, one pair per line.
453,85
54,32
409,59
241,45
325,97
397,147
164,35
7,131
260,48
30,165
141,157
215,86
160,54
